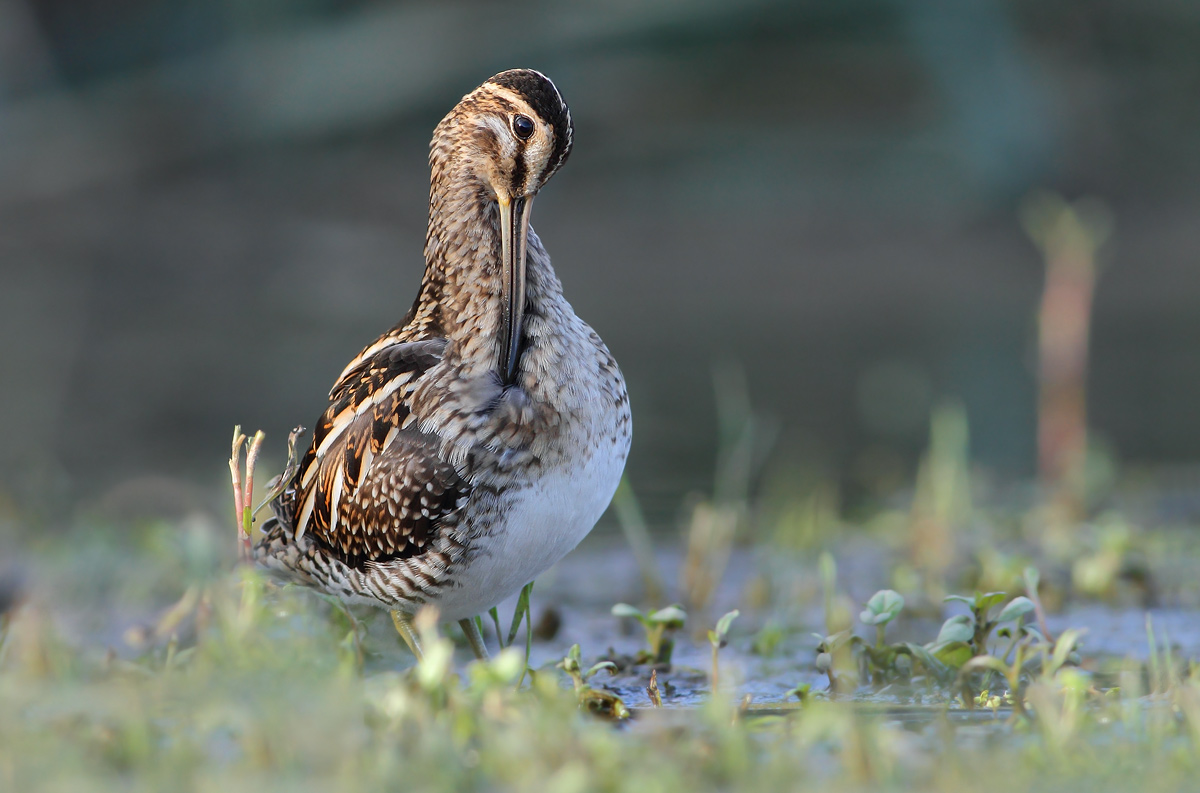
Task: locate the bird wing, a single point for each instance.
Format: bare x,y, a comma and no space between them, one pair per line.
372,486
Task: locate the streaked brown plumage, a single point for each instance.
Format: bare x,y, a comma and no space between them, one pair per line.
478,440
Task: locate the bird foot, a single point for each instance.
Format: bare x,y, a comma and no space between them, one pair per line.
404,627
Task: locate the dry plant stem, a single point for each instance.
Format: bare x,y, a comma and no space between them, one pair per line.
652,690
235,471
243,490
246,550
1064,320
474,638
1069,236
404,627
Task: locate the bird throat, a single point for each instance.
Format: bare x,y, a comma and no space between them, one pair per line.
476,284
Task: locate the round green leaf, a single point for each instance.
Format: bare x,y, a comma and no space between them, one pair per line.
1018,607
882,608
671,617
626,610
953,654
985,602
960,628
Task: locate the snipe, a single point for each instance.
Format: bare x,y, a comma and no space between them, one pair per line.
478,441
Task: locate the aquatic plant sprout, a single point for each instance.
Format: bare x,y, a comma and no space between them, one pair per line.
597,701
883,607
658,625
716,638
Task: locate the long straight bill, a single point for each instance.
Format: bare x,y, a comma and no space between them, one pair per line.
514,232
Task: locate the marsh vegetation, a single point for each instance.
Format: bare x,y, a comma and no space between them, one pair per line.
147,658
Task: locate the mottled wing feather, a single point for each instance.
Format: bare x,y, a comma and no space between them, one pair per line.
407,497
370,373
372,487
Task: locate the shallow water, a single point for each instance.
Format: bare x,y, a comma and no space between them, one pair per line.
91,601
583,587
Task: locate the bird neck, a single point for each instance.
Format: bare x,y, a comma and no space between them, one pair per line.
461,292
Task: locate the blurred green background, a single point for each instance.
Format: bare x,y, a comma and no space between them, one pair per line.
207,207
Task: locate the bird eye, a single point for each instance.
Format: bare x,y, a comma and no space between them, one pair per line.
522,127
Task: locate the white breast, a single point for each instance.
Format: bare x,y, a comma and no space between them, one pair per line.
542,523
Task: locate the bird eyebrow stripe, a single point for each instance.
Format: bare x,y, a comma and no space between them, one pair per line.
510,100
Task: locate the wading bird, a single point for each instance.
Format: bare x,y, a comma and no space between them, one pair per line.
479,440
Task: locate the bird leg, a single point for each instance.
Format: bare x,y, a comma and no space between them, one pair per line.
404,627
475,638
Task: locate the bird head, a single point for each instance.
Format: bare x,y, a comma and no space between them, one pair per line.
510,134
506,139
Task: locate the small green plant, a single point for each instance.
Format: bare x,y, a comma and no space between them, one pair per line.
801,692
835,659
976,628
597,701
961,638
1053,657
659,626
987,699
883,607
716,638
884,661
965,636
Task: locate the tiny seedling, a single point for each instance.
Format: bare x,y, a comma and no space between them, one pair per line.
801,692
1010,672
598,701
716,638
884,661
883,607
659,627
987,699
